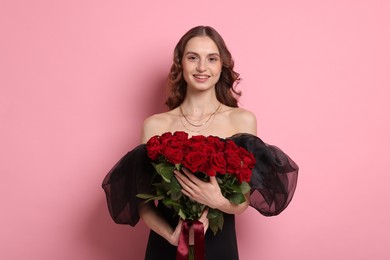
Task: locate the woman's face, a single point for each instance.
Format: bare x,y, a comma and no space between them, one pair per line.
201,63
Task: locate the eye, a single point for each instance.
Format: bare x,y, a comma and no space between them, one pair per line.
213,59
192,57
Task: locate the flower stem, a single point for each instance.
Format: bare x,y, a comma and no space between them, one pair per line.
191,255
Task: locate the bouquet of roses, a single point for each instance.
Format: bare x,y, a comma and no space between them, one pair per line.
204,156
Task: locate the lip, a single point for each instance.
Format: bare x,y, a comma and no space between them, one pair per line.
201,77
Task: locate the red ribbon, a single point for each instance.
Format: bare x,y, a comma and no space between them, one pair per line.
184,240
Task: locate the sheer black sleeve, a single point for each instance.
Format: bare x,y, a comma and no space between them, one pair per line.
274,177
130,176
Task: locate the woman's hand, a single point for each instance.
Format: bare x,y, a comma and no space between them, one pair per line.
207,193
205,221
174,238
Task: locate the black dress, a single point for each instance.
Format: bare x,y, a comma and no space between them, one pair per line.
273,183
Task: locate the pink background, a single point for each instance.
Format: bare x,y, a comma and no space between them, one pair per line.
78,78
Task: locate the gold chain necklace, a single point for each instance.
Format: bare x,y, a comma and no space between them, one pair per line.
198,130
190,130
199,125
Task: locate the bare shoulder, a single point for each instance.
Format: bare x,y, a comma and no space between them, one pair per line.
156,124
244,120
243,115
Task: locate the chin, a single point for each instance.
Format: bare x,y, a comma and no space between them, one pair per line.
202,86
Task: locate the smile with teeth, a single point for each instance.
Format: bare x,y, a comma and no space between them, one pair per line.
199,76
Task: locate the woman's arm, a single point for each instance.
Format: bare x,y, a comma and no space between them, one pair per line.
153,219
148,211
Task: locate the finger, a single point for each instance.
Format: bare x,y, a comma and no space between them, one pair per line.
186,193
191,176
180,174
179,225
184,181
204,213
205,222
185,189
205,227
213,180
187,172
184,178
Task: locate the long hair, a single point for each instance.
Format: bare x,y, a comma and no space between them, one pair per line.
177,87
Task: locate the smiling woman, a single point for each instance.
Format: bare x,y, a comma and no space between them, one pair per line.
201,64
224,88
203,106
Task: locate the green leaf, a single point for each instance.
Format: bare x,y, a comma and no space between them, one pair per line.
144,196
235,188
237,198
182,214
216,223
165,186
169,202
245,187
213,213
175,185
165,170
221,221
176,195
160,192
149,197
214,227
158,186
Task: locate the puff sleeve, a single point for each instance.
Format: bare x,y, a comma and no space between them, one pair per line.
274,177
131,175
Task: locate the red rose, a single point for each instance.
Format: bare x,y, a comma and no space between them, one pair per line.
196,143
208,149
173,154
178,140
198,138
180,135
207,169
153,147
233,163
165,138
247,158
218,163
245,174
216,142
193,160
231,147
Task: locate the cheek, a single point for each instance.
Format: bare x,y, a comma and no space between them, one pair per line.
185,77
218,67
217,71
186,67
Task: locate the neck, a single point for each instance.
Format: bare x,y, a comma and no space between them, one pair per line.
200,104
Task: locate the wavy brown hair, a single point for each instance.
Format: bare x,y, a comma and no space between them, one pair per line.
177,87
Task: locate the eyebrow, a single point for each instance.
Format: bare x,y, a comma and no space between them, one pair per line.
194,53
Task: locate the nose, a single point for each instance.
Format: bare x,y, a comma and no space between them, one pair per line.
201,65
